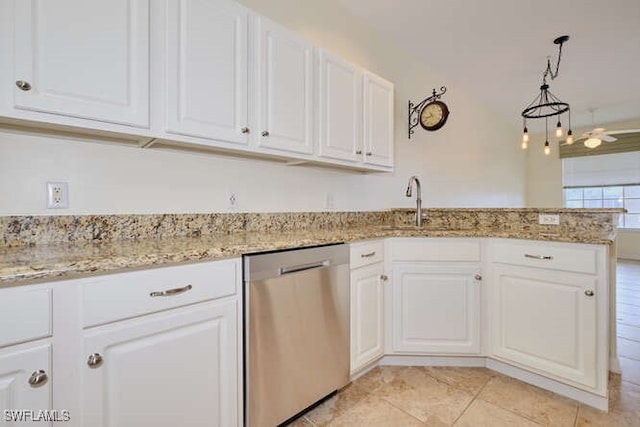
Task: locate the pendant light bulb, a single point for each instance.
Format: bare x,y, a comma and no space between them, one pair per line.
524,145
569,137
547,148
558,129
525,137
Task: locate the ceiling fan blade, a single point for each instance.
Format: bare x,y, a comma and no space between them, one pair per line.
620,132
607,138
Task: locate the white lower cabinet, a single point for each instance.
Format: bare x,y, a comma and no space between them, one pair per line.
546,320
367,303
169,369
25,383
436,284
436,308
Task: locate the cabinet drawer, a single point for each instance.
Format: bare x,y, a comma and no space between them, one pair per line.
366,253
28,312
438,249
566,257
120,296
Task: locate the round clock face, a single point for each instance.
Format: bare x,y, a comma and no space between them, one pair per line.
434,115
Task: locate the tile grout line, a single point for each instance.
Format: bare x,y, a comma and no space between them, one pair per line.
475,396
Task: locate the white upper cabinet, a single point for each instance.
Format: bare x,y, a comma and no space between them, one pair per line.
206,65
82,59
340,124
284,95
378,120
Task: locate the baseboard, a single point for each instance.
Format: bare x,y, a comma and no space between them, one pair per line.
455,361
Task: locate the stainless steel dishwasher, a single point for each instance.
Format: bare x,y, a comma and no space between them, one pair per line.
296,330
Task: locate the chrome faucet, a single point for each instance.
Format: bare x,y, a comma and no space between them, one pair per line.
418,198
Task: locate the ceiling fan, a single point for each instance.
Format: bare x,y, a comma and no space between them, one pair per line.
594,138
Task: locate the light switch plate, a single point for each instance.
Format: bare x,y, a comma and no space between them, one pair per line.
549,219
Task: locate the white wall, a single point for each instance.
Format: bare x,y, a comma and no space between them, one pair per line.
473,161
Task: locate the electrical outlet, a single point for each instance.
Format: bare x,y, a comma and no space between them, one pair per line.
57,195
232,200
330,203
549,219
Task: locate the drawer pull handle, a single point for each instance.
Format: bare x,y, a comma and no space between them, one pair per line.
38,378
546,257
95,360
171,292
369,255
588,293
358,151
245,130
384,277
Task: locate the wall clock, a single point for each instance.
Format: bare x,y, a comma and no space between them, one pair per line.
434,115
430,113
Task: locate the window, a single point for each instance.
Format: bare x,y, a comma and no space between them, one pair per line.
610,196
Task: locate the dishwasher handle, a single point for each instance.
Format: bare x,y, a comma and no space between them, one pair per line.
302,267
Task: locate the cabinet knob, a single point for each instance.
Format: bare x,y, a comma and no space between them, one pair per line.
478,277
265,133
384,277
245,130
95,360
38,378
23,85
358,151
369,153
589,293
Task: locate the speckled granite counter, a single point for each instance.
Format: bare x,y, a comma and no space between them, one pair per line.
37,249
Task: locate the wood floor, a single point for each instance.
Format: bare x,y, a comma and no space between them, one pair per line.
441,396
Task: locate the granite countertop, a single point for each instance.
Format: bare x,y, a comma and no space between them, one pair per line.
39,263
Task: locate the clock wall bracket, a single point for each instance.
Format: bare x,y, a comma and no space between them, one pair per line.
415,111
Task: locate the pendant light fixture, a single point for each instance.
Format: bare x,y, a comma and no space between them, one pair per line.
546,104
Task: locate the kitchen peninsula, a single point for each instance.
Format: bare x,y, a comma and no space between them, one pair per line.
104,292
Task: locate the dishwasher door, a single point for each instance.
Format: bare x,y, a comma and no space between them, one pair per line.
296,331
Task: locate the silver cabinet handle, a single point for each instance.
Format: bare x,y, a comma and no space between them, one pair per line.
358,151
545,257
384,277
245,130
23,85
171,292
369,153
95,360
477,277
265,133
369,255
38,378
589,293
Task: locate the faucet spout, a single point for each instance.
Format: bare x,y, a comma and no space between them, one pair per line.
418,198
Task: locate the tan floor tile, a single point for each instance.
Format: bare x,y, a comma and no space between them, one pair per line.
630,370
468,379
377,377
374,412
425,398
624,396
544,407
300,422
346,398
588,416
485,414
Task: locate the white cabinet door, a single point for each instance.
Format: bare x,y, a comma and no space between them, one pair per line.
367,327
284,89
436,308
206,63
544,319
17,365
340,120
378,120
86,59
175,368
